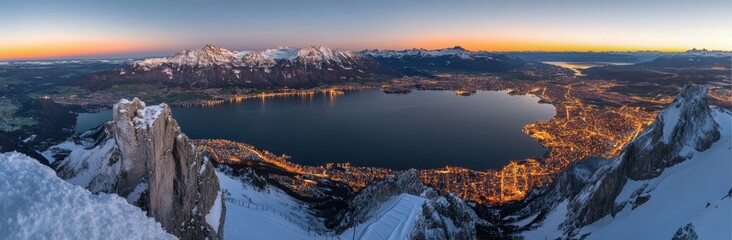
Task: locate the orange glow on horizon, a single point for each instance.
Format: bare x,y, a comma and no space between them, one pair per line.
76,49
511,45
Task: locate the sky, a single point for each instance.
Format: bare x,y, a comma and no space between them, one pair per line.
32,29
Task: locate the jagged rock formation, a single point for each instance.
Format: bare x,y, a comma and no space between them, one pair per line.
686,233
142,156
686,124
626,191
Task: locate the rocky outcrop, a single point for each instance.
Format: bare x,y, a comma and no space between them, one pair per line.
437,209
686,233
143,156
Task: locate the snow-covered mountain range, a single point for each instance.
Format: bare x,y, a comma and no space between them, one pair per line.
672,181
213,66
456,58
211,55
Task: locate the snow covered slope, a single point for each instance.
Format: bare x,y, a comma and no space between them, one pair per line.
674,180
36,204
697,191
256,210
264,212
394,220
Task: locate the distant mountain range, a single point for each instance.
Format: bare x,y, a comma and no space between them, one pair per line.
697,66
212,66
456,58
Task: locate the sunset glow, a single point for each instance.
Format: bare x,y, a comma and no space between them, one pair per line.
101,29
75,49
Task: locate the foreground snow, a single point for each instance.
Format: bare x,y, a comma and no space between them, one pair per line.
36,204
394,220
264,213
272,214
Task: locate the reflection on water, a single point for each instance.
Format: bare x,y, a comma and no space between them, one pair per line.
425,129
577,66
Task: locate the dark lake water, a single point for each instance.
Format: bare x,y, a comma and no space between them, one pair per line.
425,129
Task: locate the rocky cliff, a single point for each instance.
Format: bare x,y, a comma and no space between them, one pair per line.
142,156
684,127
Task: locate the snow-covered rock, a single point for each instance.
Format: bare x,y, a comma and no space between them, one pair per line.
209,55
142,156
36,204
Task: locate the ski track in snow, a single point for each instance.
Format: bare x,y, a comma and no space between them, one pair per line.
396,221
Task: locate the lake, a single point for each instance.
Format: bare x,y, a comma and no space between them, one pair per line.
577,67
424,129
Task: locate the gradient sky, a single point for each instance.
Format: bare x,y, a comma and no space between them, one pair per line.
41,29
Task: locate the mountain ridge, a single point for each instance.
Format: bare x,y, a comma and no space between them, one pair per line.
287,67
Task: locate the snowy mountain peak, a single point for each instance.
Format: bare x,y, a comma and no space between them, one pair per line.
322,53
459,48
212,48
688,120
207,56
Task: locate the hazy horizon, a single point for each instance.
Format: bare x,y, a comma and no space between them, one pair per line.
166,54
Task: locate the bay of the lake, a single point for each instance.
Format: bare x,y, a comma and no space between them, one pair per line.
424,129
